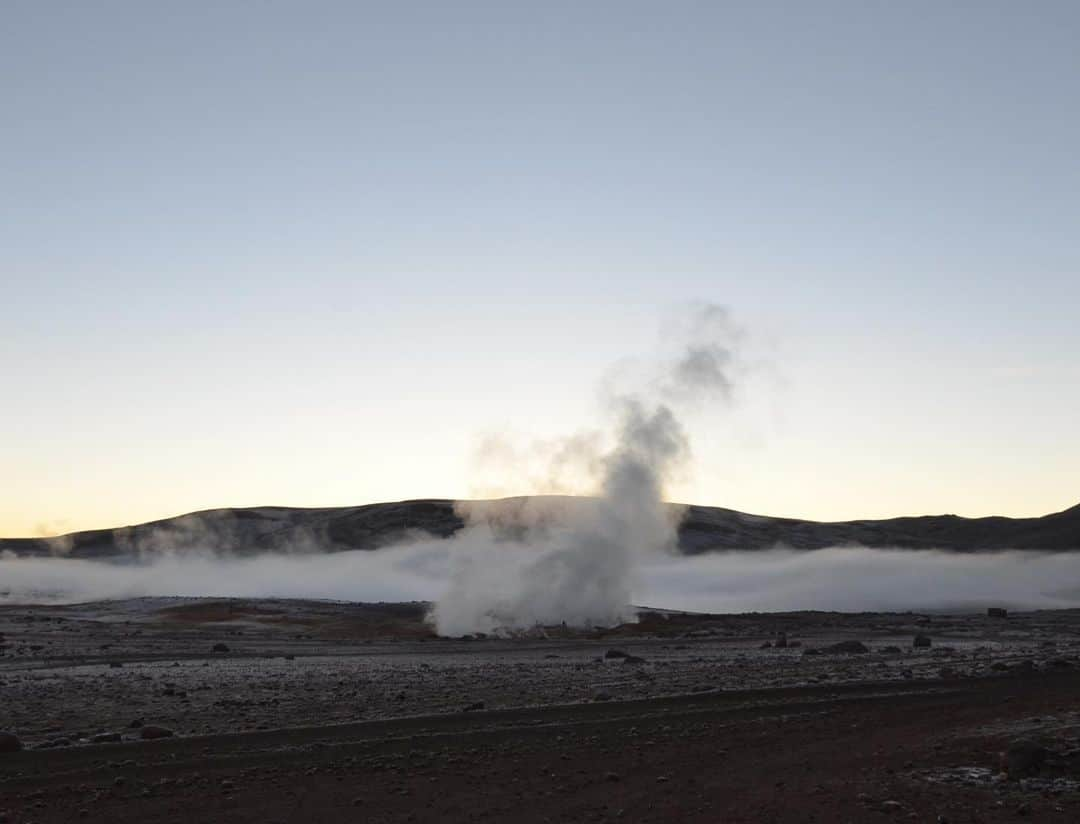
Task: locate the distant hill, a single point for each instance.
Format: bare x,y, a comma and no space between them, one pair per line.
702,529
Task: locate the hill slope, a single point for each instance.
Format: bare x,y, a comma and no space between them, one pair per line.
703,529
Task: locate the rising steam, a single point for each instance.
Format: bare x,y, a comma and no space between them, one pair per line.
580,568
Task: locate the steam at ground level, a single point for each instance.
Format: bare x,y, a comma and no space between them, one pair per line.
843,579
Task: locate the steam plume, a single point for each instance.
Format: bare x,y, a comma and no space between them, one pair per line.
581,570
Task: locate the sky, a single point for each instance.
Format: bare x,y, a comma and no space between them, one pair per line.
313,253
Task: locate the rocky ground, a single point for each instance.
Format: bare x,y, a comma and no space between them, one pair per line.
305,711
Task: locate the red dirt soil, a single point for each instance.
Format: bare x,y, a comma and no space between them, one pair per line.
814,754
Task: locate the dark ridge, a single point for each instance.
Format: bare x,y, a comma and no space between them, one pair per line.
703,529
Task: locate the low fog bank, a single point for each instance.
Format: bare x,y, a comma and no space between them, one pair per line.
847,579
857,579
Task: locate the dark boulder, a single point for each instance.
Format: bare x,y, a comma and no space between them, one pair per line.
9,743
1024,759
922,641
847,648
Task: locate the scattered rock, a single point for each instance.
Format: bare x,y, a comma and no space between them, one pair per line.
616,653
475,706
892,650
105,738
220,647
921,641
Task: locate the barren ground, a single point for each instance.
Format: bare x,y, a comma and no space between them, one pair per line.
332,712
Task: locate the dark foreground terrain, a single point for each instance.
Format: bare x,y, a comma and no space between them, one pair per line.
313,711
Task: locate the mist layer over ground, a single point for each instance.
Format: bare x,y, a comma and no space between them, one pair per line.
843,579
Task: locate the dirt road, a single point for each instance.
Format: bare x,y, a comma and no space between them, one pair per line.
828,754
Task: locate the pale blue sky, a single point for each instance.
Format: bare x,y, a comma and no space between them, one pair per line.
303,253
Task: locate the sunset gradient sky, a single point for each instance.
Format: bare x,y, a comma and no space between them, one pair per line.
311,253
